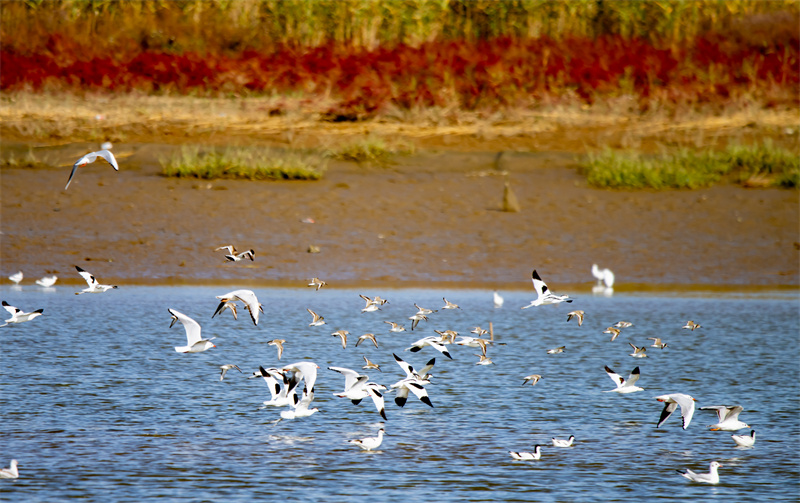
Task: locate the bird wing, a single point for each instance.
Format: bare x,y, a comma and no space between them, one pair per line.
633,377
377,399
250,300
721,411
687,408
407,368
538,285
108,156
618,380
351,377
11,309
90,280
191,326
428,366
669,408
72,173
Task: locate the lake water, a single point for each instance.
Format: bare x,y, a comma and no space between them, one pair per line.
96,404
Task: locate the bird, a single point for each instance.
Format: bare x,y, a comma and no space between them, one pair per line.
94,285
47,281
305,370
544,295
396,327
369,443
317,321
671,402
474,342
232,307
194,343
279,344
498,300
557,442
241,256
557,350
657,343
449,305
478,330
414,382
225,368
484,360
745,440
356,388
90,158
371,304
228,248
280,396
576,314
623,324
422,310
613,331
712,477
604,276
16,277
317,283
527,456
624,386
638,352
18,315
416,318
431,341
533,379
691,325
371,366
367,337
11,472
248,297
301,408
447,336
728,417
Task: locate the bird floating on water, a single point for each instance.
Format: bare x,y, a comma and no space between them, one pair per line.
47,281
557,442
369,443
527,456
11,472
712,477
745,440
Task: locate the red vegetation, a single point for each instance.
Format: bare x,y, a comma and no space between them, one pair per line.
500,72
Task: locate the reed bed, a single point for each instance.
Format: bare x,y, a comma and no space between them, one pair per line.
242,163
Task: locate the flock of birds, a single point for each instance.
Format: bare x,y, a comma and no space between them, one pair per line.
283,383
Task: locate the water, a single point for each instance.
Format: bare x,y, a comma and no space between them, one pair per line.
97,405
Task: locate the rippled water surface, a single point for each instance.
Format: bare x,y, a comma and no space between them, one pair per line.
96,404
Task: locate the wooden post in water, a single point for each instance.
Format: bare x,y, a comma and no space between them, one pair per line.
491,332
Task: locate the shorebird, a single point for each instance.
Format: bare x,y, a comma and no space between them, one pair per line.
414,382
613,331
356,388
474,342
544,295
317,321
527,456
369,443
280,396
449,305
657,343
533,379
576,314
691,325
16,277
745,440
603,276
248,297
367,337
18,315
47,281
623,324
343,335
236,257
194,343
225,368
422,375
484,360
90,158
279,344
712,477
479,331
564,443
728,417
396,327
557,350
94,286
316,282
638,352
232,307
11,472
371,366
671,402
432,342
624,386
447,336
415,319
371,304
498,300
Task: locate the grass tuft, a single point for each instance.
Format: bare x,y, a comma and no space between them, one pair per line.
242,163
371,150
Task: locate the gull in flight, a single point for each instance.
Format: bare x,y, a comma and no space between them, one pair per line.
712,477
728,418
638,352
371,366
194,343
248,297
305,370
449,305
604,276
671,402
90,158
533,379
396,327
317,321
18,315
225,368
343,335
369,443
691,325
557,442
498,300
47,281
544,295
745,440
16,277
367,337
657,343
431,341
576,314
301,408
356,388
624,386
94,286
613,331
11,472
316,282
279,344
527,456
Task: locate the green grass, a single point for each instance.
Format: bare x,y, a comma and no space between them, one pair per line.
243,163
753,166
29,161
370,150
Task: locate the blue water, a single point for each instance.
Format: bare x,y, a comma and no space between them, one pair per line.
96,404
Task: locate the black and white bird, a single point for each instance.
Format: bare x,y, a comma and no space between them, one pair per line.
671,402
369,443
544,295
527,456
414,382
225,368
712,477
194,342
248,297
357,387
18,315
745,440
90,158
624,386
94,285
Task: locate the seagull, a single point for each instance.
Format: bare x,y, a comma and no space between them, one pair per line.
18,315
545,296
280,397
564,443
576,314
624,386
691,325
432,342
533,379
557,350
623,324
527,456
47,281
317,321
396,327
369,443
301,408
745,440
279,344
356,388
416,319
638,352
343,335
226,368
194,343
305,370
657,343
604,276
248,297
316,282
16,277
90,158
367,337
371,366
449,305
728,417
11,472
498,300
241,256
613,331
671,403
712,477
94,286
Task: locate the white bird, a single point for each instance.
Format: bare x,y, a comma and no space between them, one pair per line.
47,281
356,388
498,300
431,341
396,327
527,456
624,386
371,304
557,442
16,277
226,368
236,257
671,402
557,350
691,325
305,370
604,276
422,310
194,343
533,379
484,360
449,305
318,283
712,477
248,297
280,396
576,314
317,321
10,473
94,285
90,158
544,295
623,324
369,443
638,352
728,418
18,315
657,343
745,440
301,408
416,318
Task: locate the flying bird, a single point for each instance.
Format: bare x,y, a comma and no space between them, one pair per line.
576,314
279,344
544,295
94,285
317,283
225,368
671,402
533,379
90,158
18,315
194,343
248,297
691,325
317,321
367,337
727,416
624,386
343,335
